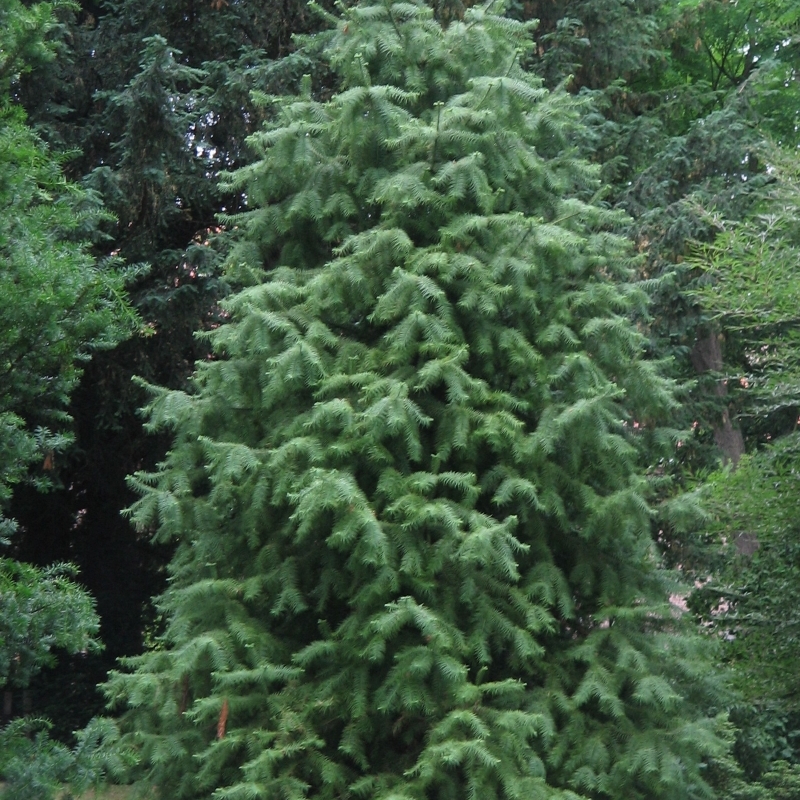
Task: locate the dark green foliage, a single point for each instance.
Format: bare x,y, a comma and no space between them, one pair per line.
749,288
147,129
34,767
746,558
127,108
153,158
42,611
151,100
413,533
593,43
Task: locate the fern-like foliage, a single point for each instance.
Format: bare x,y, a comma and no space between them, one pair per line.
413,536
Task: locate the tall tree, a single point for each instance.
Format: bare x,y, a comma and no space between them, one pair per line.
408,494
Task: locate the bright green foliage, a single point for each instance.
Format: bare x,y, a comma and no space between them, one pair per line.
58,304
22,38
752,289
413,539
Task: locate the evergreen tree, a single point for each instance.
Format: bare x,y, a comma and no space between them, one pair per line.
408,494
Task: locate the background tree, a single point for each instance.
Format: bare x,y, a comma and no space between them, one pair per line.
60,307
747,553
59,304
734,233
679,140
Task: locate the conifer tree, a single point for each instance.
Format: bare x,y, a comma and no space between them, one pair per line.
409,494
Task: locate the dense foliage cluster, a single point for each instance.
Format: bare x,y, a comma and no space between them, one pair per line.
445,311
414,552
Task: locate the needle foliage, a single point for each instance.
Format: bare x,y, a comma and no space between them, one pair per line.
408,493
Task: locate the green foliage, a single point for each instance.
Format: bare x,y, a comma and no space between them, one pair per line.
782,781
750,286
682,142
408,496
746,557
59,307
749,595
59,304
778,781
34,767
150,100
41,609
22,38
592,43
154,159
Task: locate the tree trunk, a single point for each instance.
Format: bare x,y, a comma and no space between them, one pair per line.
707,357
